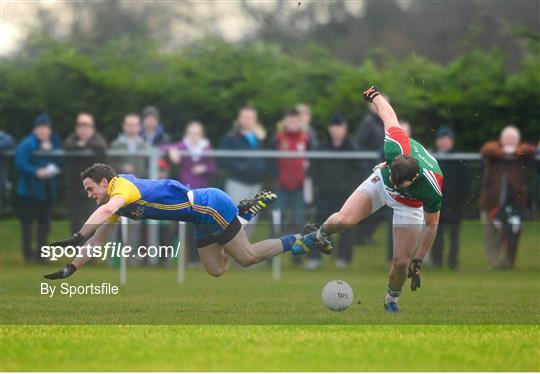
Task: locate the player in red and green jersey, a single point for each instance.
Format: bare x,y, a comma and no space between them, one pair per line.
410,182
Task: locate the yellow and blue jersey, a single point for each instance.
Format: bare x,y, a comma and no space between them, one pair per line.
210,209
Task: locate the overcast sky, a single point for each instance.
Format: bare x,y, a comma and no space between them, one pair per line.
17,16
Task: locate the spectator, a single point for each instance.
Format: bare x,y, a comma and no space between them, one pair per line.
370,137
244,174
305,119
370,133
290,172
85,138
334,180
152,131
130,142
36,186
454,192
195,171
6,144
503,197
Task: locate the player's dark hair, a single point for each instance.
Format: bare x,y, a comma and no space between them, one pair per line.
97,172
403,168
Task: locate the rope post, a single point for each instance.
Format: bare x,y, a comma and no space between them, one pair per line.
124,238
153,225
276,260
181,265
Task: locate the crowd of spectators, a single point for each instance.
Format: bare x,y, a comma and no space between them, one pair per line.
308,189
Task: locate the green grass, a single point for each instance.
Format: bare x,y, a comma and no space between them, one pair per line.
473,319
273,348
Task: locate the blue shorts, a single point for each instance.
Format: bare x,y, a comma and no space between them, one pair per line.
217,219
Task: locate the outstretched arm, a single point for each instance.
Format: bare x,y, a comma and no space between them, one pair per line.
428,234
384,109
102,215
97,222
99,238
424,245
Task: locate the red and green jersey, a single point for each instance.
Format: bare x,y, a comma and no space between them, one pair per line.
426,190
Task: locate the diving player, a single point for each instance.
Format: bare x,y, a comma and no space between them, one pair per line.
410,182
218,221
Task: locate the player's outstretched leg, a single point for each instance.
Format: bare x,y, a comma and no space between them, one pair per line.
223,225
249,208
309,242
358,207
247,254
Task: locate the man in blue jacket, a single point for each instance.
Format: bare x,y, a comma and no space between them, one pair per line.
36,186
244,175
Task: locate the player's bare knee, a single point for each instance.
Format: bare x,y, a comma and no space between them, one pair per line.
400,264
216,272
345,219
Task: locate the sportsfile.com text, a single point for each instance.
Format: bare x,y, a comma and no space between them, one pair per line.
109,250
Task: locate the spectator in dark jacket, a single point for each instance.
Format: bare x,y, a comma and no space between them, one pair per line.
370,134
455,190
152,131
244,174
6,144
504,194
36,186
333,181
370,137
84,139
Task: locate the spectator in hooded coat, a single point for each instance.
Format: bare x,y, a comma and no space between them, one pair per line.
36,185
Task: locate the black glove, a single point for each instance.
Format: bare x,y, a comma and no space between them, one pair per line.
414,273
75,240
65,272
371,93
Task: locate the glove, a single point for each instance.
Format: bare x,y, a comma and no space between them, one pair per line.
371,93
414,273
75,240
65,272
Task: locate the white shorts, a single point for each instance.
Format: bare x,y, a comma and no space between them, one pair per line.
404,216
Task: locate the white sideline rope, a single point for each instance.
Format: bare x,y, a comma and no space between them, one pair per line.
222,153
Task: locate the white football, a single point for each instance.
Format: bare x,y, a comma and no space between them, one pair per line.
337,295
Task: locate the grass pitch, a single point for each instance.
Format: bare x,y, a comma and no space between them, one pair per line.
473,319
272,348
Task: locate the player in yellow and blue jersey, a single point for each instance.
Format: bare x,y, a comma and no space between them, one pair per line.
218,221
